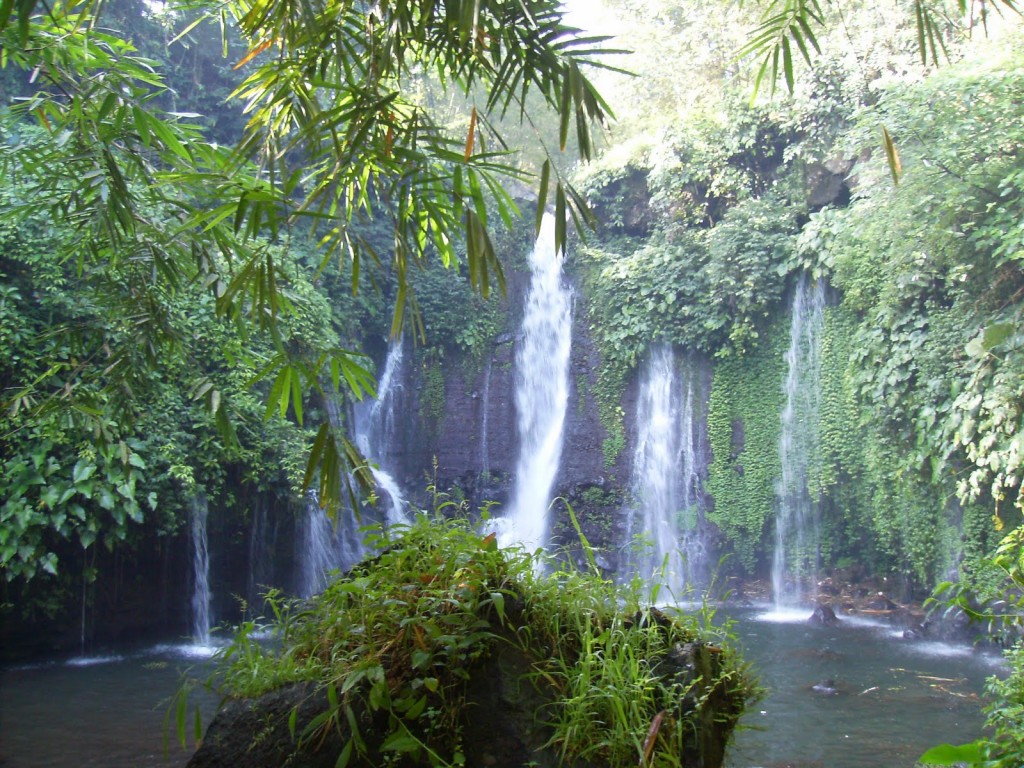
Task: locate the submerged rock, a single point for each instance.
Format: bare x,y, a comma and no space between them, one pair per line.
824,616
826,687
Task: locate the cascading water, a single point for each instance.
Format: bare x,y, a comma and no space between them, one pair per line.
796,525
200,571
541,394
324,545
262,540
485,405
665,520
374,424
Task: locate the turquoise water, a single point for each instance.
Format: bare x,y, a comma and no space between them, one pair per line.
106,711
894,698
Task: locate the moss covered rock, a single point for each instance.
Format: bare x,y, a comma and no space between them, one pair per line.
445,650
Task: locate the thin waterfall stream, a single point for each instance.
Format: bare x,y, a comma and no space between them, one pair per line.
374,425
541,394
485,406
200,571
795,559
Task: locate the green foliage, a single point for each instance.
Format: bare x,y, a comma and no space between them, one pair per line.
743,431
1005,715
792,27
717,158
432,389
455,318
401,634
154,210
103,449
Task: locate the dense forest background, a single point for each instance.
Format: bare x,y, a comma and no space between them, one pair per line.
711,206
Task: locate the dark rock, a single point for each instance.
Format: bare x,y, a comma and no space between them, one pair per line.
254,733
826,687
913,633
824,615
499,721
881,603
826,183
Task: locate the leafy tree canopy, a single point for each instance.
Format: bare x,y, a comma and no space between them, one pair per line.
332,142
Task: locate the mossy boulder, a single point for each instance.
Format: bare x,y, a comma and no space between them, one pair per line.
445,650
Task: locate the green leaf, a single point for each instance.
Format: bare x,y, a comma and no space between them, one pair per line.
996,334
892,156
948,754
292,719
83,471
400,741
345,756
197,725
498,600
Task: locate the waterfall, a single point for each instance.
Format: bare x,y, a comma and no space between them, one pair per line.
374,425
485,405
200,572
796,525
262,539
541,394
315,539
665,515
324,544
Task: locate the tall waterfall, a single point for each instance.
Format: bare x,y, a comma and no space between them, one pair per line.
541,394
796,525
374,424
664,519
200,571
485,407
324,544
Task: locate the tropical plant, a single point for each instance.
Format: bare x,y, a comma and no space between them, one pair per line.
399,637
150,208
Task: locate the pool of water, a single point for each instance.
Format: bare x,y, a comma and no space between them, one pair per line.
106,711
893,698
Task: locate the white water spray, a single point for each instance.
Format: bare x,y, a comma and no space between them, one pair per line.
541,395
796,526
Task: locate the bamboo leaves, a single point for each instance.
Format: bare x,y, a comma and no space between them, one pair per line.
785,23
789,26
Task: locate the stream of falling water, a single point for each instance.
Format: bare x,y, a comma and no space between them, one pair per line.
664,520
324,544
796,528
541,394
374,425
200,572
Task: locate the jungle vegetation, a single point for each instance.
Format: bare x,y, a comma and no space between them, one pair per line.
178,274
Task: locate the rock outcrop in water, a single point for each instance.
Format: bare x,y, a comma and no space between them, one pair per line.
501,728
443,647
